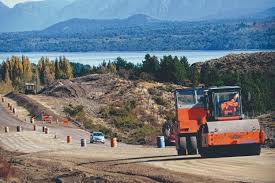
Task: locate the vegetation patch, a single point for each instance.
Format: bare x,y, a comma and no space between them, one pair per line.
144,135
79,114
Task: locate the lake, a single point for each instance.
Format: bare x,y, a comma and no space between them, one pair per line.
95,58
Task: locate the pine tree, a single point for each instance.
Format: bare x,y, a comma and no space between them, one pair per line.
37,79
48,72
57,69
194,76
6,75
68,70
27,69
151,64
41,69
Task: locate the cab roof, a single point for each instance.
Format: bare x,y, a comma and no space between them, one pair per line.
224,87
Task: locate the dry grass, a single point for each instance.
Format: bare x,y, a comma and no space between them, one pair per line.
6,171
5,88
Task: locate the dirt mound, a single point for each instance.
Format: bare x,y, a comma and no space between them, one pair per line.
243,63
79,87
64,88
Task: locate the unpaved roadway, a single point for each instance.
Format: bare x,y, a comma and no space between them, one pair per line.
43,158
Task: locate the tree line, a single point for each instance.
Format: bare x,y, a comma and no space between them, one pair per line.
167,69
16,71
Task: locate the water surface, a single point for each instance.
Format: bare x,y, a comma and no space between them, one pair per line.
95,58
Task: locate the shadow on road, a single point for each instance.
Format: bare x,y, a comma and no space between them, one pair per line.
144,159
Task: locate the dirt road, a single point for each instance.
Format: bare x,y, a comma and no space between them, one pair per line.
43,158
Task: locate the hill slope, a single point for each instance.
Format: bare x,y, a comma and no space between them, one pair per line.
143,33
122,106
242,63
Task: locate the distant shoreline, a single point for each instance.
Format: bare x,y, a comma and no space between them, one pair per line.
258,50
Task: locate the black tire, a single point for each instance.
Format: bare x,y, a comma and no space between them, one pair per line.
181,152
182,146
192,146
255,150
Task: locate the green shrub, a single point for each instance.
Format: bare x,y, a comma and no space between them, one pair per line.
89,124
160,101
144,135
154,92
126,121
73,111
104,111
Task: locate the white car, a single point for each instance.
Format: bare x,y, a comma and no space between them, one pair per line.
97,137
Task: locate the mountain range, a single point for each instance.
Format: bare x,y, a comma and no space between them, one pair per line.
38,15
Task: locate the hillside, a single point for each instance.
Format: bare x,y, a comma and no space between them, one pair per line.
86,26
143,33
38,15
263,62
135,110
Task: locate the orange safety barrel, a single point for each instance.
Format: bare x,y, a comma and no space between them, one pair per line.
46,118
114,142
69,139
66,122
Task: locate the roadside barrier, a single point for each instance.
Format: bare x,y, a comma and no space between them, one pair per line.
9,104
83,143
113,142
10,107
43,128
14,110
19,128
3,99
7,130
46,130
160,142
32,120
69,139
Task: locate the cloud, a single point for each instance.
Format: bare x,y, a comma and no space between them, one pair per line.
11,3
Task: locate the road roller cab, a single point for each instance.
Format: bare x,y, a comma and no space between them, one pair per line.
210,121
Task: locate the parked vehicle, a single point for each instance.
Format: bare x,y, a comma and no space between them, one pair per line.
97,137
30,88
